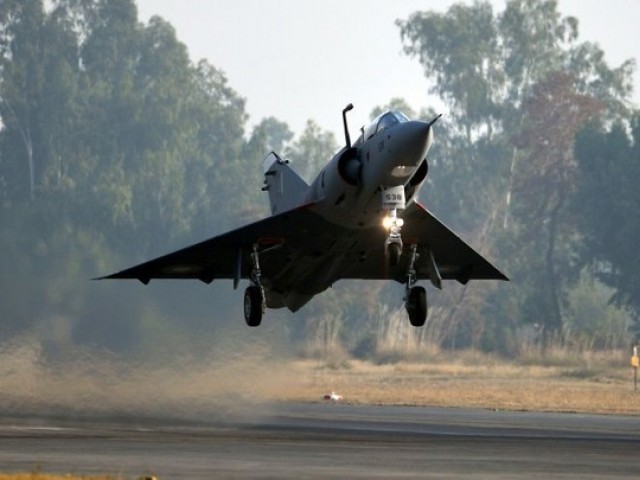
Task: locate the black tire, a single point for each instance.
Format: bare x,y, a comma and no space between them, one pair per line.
417,306
253,306
394,250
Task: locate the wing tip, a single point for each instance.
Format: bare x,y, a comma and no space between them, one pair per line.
498,274
122,275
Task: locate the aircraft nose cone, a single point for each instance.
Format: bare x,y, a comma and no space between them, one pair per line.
413,141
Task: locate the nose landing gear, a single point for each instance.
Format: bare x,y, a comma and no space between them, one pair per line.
392,201
393,243
394,250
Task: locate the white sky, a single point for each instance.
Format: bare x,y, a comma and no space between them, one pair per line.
301,59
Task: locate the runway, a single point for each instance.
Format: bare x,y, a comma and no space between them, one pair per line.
331,441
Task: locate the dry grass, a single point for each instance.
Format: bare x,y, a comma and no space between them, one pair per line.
44,476
231,381
474,381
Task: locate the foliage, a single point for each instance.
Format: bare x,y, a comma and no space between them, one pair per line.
115,146
607,200
399,104
544,183
311,150
519,86
592,322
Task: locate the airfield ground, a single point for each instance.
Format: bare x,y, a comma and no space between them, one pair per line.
464,381
597,386
45,476
561,381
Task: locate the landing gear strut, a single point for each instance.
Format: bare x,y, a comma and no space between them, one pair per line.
394,250
393,243
415,297
392,201
254,299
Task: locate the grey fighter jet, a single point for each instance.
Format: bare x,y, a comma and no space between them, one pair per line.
359,219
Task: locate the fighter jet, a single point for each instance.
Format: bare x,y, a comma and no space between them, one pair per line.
359,219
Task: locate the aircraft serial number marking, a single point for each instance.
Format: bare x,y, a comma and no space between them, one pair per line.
394,197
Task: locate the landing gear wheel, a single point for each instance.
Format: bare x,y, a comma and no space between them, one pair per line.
417,306
394,250
253,306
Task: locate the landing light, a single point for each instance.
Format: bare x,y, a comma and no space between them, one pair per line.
388,222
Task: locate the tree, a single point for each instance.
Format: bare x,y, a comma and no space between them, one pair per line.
546,180
114,146
312,150
607,202
271,135
591,320
489,68
484,66
36,96
399,104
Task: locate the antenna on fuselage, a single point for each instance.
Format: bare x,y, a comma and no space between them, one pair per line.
347,138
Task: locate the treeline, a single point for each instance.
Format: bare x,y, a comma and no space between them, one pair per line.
537,159
115,147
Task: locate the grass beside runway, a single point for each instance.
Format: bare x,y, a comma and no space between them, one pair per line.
602,386
45,476
561,380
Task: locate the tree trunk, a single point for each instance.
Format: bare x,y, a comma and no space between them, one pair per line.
29,148
512,168
25,133
553,324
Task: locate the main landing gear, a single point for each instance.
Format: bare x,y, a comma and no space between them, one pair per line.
416,304
254,299
415,298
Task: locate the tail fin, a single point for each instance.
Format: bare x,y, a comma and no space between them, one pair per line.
287,190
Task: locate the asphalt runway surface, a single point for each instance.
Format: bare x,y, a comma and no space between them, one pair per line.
331,441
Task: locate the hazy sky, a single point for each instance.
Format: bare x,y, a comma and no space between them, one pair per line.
300,59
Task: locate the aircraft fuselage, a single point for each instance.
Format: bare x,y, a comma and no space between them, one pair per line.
364,183
348,191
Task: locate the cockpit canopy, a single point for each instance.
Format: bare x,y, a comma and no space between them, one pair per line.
385,120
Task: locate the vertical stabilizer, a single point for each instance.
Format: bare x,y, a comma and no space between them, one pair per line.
287,190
